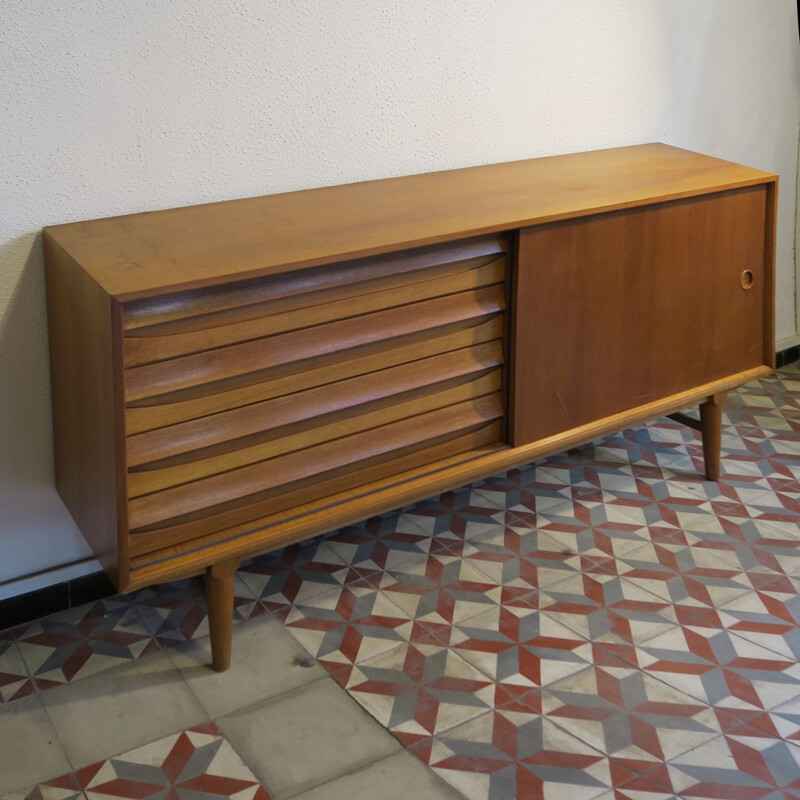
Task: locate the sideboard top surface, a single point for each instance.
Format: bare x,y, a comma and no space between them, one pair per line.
157,252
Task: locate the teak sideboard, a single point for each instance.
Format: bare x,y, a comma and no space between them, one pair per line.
233,377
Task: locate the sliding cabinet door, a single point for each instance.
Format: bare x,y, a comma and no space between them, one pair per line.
617,310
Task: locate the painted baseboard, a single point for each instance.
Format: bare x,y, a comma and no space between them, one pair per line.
48,577
51,599
788,355
787,343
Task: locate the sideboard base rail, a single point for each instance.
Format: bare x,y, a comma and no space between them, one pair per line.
220,576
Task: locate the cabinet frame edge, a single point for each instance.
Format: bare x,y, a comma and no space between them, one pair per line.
88,416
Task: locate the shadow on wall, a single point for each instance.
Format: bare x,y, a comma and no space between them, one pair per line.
36,531
733,87
25,424
716,80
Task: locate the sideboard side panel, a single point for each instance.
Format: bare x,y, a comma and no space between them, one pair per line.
85,429
770,226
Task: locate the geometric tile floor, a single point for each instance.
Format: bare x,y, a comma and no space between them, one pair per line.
602,624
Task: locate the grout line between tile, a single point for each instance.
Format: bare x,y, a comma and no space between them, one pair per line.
266,701
365,767
73,771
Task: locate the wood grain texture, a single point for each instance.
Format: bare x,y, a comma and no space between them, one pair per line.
685,419
198,308
312,460
332,338
200,529
282,440
159,252
149,414
184,477
160,347
355,395
349,507
268,369
87,403
711,428
220,580
770,231
655,307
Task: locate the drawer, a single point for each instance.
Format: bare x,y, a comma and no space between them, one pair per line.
244,400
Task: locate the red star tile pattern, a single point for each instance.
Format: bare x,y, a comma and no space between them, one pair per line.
629,715
14,680
83,641
455,517
417,690
720,668
520,648
348,625
196,764
513,754
177,612
65,787
294,573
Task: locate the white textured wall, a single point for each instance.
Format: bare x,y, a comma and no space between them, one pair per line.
114,106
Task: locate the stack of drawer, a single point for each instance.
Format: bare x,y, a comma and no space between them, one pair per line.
252,398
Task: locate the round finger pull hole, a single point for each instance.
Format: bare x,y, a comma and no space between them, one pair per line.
747,278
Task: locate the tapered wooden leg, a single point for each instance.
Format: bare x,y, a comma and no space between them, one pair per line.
711,429
219,596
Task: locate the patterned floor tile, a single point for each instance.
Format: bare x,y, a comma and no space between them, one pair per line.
628,714
520,647
458,516
440,588
691,505
348,625
767,618
419,690
768,460
720,668
504,755
14,680
777,507
382,543
517,556
64,788
602,528
197,764
600,474
85,640
177,612
608,609
738,768
525,488
758,546
294,573
786,719
570,477
691,575
648,446
729,496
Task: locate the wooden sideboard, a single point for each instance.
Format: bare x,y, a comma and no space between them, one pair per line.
233,377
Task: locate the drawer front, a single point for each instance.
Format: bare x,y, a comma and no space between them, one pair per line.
248,399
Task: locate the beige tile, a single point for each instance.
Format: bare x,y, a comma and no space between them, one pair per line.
122,708
266,661
306,738
398,777
29,748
